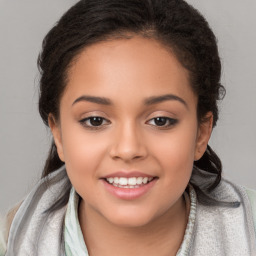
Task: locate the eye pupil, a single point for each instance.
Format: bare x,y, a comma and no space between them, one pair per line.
96,121
160,121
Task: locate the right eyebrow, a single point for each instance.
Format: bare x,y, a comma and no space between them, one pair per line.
93,99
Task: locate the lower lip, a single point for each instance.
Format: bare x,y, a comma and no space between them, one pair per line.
129,193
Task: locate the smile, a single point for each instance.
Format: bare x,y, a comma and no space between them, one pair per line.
132,182
129,185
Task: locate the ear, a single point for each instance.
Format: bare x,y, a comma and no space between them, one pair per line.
56,132
203,135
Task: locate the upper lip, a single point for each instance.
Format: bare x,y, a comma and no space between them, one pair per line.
128,174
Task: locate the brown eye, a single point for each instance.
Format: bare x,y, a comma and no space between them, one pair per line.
94,121
162,121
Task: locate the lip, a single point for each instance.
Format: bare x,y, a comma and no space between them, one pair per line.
129,193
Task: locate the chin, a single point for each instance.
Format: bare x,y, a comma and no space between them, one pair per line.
131,219
130,223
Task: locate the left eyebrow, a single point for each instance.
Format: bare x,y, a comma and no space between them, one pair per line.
158,99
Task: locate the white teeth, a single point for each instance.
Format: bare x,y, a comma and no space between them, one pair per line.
132,181
123,181
145,180
111,180
139,180
128,182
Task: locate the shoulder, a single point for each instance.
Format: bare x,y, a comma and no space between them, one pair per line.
231,192
5,224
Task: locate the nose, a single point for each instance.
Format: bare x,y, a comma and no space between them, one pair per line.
128,144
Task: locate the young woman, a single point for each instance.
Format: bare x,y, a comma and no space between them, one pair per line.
130,90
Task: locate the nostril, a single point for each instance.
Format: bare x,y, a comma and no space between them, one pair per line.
127,146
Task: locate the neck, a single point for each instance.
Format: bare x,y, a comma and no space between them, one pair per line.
162,236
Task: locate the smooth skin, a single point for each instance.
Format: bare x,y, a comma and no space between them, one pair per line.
147,122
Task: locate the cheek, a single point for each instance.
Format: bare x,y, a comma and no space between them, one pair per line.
83,152
175,152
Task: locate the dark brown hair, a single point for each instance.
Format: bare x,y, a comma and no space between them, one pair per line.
174,23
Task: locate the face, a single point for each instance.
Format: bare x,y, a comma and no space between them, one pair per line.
128,130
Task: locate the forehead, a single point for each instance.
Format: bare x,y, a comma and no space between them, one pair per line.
136,66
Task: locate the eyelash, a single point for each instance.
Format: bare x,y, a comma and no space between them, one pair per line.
170,122
103,121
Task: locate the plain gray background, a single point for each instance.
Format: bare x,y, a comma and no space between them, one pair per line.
24,140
